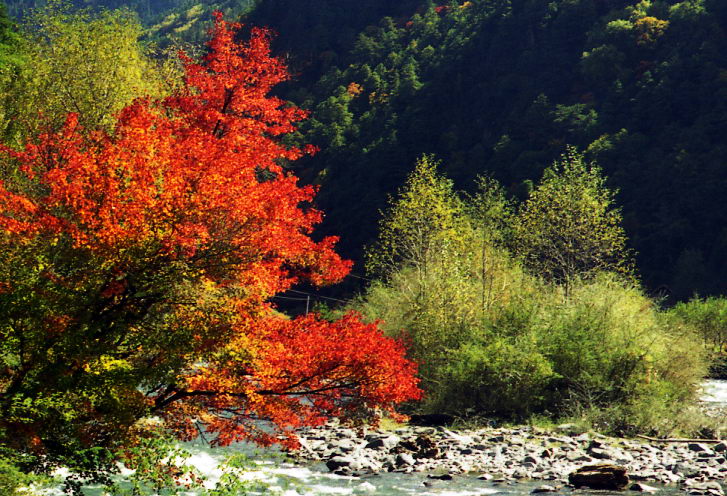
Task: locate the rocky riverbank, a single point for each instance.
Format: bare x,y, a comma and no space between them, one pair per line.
505,455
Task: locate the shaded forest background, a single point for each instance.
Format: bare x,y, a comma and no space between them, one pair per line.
500,87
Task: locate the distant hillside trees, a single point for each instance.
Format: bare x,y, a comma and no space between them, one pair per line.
500,88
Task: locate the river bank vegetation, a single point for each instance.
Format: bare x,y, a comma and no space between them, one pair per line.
535,310
533,263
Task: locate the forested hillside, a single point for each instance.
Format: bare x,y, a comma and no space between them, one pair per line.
166,20
501,87
147,9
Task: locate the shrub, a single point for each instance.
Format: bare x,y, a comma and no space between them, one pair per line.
608,341
501,377
12,479
493,339
707,318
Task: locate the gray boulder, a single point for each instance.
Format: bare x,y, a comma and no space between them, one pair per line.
545,488
604,476
343,462
404,460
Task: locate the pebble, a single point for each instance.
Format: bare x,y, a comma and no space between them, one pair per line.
507,455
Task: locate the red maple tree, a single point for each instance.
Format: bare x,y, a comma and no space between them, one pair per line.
138,269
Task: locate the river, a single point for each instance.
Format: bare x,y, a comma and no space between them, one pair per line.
290,479
715,392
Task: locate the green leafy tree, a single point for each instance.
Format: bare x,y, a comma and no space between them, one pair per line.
423,227
9,40
89,64
421,257
11,59
491,214
569,228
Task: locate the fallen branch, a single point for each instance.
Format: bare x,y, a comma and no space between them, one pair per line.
679,440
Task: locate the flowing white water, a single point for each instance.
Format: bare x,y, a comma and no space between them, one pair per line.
289,479
715,392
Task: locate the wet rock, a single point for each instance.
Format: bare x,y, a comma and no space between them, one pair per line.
601,454
698,447
343,462
545,488
705,489
366,487
444,477
612,477
406,445
404,459
643,488
643,475
685,470
383,443
343,445
583,459
720,447
422,447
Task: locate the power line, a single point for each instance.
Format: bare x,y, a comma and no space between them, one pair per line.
319,296
289,298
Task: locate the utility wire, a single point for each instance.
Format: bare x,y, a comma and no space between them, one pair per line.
319,296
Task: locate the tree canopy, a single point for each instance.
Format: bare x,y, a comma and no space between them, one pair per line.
569,226
138,268
90,64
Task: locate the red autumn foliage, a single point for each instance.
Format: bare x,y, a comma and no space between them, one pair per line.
186,223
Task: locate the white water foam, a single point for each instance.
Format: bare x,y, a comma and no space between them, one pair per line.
714,392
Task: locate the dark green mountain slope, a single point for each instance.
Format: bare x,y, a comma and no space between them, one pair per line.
318,34
147,9
501,86
185,19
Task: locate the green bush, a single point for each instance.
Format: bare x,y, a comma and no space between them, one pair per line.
599,341
12,479
615,354
501,378
708,319
492,339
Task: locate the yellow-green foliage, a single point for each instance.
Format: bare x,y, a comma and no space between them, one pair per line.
493,339
14,481
708,317
569,227
92,65
608,343
441,269
423,227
